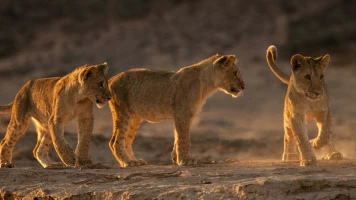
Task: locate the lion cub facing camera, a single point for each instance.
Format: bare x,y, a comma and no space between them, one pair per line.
50,103
144,94
306,99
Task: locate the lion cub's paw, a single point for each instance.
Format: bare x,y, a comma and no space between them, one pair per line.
187,161
69,158
55,165
174,157
290,157
7,165
308,163
314,143
81,161
335,156
130,163
141,162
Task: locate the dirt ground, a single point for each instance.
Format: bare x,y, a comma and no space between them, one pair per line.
230,180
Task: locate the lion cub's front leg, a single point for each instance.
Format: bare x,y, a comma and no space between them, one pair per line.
324,138
182,142
64,150
290,146
298,128
85,129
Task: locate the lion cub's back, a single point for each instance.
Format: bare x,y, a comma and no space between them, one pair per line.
36,97
149,93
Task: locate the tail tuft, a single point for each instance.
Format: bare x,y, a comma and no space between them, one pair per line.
271,56
273,50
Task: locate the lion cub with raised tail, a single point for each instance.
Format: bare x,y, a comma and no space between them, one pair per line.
50,103
144,94
306,99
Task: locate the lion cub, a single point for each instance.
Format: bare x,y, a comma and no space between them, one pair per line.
144,94
50,103
306,99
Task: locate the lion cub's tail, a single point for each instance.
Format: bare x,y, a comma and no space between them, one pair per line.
6,109
271,57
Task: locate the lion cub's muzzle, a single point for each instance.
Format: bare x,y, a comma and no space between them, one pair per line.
236,91
314,95
101,102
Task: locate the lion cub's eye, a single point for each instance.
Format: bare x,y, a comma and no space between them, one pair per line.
321,77
307,77
100,84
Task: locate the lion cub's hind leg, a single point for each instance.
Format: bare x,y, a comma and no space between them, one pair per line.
121,120
290,146
41,150
17,127
131,134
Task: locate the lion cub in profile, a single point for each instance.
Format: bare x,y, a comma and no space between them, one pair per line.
50,103
144,94
306,99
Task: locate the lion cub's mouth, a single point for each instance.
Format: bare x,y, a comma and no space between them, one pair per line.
100,104
235,92
310,97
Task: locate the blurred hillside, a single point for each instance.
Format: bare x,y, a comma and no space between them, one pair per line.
52,37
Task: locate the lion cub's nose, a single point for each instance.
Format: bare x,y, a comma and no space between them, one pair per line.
317,93
109,98
242,87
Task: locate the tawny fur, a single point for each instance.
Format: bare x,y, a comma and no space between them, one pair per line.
144,94
50,103
306,99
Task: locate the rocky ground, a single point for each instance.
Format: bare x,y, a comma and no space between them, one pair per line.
229,180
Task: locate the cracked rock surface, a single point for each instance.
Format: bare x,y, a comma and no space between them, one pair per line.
237,180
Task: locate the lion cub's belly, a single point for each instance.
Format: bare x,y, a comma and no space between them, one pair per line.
153,104
153,113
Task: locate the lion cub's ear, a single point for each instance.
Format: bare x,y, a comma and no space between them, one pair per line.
324,61
224,61
297,62
86,73
90,71
231,60
103,68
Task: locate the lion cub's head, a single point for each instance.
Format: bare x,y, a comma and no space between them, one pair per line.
228,75
308,75
94,84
